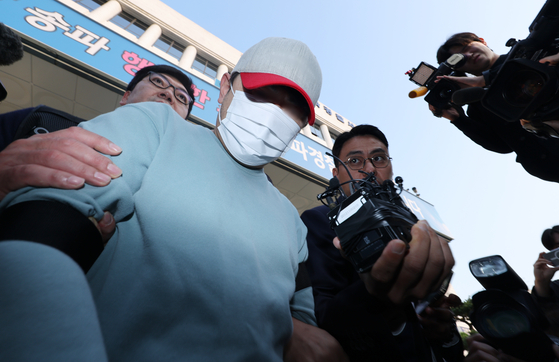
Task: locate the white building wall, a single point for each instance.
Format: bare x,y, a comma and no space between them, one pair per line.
163,19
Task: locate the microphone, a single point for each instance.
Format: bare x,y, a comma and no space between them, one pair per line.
331,191
418,92
389,186
10,44
333,186
468,95
351,188
388,183
334,183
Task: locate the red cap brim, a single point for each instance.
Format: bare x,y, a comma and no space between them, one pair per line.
258,80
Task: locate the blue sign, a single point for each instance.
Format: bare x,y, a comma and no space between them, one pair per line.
310,155
81,38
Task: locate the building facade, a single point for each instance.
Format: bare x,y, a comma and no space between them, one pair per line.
81,54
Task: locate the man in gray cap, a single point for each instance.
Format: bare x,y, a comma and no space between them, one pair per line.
205,262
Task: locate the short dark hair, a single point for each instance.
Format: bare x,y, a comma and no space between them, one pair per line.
459,39
164,69
361,130
547,237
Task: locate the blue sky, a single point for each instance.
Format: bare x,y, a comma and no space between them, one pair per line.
491,205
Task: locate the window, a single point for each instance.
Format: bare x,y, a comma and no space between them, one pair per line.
169,46
205,66
90,4
315,130
130,24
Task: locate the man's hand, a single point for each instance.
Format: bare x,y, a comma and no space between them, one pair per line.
399,276
312,344
479,351
452,113
438,320
552,59
106,226
63,159
543,272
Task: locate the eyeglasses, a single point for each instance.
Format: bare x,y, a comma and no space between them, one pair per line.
358,162
160,81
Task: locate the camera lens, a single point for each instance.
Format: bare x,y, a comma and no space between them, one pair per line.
523,87
502,321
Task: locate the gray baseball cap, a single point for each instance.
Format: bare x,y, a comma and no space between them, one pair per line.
282,61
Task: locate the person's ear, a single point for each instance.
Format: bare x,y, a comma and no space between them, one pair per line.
124,99
224,87
335,172
483,42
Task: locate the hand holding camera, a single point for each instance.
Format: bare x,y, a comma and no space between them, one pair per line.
544,270
506,314
438,320
399,276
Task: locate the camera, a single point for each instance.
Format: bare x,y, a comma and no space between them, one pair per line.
525,88
505,313
425,75
553,256
367,220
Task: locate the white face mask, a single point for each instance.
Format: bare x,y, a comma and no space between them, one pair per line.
256,133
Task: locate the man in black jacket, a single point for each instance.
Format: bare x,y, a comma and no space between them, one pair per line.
371,313
538,156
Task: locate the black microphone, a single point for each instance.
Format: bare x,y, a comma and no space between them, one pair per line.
388,185
10,46
351,187
333,186
468,95
334,183
331,190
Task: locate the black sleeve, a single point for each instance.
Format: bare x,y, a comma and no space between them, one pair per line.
54,224
302,280
9,124
343,306
538,156
481,131
553,290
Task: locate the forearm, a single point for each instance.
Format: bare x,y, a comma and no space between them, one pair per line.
542,288
302,306
482,134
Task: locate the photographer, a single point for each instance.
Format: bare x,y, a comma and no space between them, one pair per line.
371,314
545,291
544,269
538,156
550,127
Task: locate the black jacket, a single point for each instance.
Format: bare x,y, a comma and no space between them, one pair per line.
538,156
345,309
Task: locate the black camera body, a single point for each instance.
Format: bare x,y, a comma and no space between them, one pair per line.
524,88
505,313
440,93
369,219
